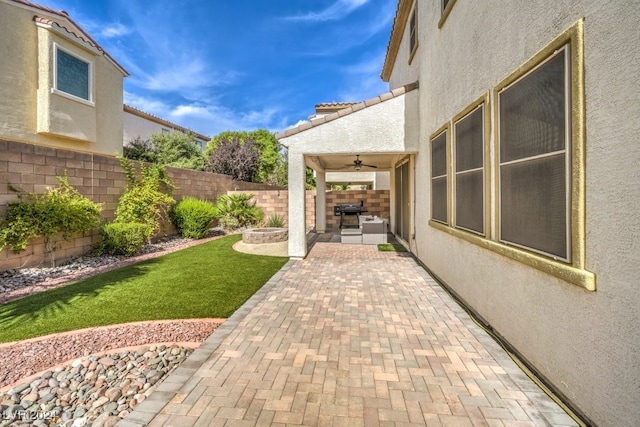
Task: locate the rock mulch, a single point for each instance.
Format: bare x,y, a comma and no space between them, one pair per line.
97,391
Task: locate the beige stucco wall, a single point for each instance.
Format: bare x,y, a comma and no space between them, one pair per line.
30,111
586,343
139,127
404,72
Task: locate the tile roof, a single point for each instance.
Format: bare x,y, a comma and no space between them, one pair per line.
80,34
148,116
397,31
349,110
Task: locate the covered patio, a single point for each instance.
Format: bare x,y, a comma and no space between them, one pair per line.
381,133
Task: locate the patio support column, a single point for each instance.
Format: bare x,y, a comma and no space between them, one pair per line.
297,219
321,216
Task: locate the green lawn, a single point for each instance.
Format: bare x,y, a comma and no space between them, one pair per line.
391,247
208,280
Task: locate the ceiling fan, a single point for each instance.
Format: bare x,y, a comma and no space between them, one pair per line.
357,164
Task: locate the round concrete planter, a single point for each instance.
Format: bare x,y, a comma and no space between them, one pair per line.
265,235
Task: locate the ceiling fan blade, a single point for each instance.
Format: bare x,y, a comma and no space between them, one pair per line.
370,166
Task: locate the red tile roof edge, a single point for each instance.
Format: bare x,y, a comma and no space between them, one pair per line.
84,36
149,116
349,110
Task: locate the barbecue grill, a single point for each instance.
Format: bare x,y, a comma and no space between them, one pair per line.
344,209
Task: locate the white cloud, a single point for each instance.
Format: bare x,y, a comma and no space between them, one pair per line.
337,10
115,30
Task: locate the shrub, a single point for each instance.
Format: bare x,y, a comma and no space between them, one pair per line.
193,217
60,210
144,200
237,210
275,221
125,238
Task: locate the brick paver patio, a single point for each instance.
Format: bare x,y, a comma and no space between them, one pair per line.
355,337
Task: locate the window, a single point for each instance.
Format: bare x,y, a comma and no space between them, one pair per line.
413,33
72,74
537,172
469,171
447,5
439,190
534,143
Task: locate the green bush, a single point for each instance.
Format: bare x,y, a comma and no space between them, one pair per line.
60,210
275,221
193,217
145,200
237,210
125,238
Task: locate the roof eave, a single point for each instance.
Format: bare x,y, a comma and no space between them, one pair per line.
397,31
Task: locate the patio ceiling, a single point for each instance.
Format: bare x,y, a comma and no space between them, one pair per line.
344,162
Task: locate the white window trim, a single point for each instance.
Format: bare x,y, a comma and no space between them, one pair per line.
62,93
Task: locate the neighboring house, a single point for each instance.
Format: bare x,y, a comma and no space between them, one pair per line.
138,124
511,130
367,177
58,87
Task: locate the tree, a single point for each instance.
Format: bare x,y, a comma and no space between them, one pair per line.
268,147
141,149
178,149
239,160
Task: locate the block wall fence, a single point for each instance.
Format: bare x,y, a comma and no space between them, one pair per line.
33,168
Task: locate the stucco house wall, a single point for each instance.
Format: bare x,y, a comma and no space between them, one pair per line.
32,111
138,124
585,343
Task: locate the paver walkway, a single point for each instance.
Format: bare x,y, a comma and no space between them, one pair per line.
355,337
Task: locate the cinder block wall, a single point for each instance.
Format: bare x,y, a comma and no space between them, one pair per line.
33,168
377,203
274,202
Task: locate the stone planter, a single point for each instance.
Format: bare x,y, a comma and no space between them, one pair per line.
265,235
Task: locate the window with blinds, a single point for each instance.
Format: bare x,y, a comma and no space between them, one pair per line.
439,211
469,171
534,147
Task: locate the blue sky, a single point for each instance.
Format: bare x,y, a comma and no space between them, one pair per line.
215,65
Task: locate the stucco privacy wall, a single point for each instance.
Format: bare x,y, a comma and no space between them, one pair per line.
30,112
586,343
32,168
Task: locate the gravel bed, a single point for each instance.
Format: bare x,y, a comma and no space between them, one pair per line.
97,390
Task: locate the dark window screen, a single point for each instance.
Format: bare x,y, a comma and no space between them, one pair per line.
470,141
533,200
532,113
470,201
439,178
439,199
72,75
534,210
439,155
469,172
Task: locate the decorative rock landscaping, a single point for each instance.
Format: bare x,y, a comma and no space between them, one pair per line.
97,391
265,235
